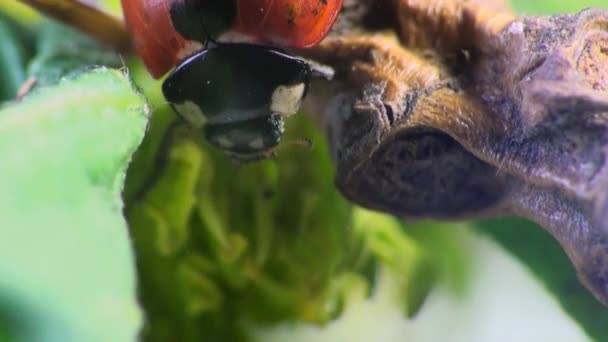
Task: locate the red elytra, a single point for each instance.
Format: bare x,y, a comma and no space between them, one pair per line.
284,23
287,23
152,33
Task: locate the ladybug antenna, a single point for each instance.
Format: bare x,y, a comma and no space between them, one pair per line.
302,142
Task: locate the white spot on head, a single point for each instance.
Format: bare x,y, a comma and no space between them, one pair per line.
286,100
224,142
257,143
192,113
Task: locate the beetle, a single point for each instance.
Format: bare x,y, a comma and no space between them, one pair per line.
164,32
237,93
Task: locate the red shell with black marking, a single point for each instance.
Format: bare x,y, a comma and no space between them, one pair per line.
283,23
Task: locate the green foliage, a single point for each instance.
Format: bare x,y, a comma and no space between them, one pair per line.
66,265
66,269
219,245
63,53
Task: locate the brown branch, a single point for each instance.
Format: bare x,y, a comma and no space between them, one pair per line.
98,24
471,113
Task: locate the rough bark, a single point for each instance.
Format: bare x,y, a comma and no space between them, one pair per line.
455,109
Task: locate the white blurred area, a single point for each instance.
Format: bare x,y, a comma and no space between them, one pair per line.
503,303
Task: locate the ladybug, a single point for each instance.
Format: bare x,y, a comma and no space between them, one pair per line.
237,93
164,32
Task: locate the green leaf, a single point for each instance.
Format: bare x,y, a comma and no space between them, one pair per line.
66,266
62,52
266,241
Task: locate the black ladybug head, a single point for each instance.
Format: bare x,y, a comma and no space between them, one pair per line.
237,82
239,93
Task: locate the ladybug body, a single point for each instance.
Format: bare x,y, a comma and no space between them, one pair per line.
164,32
237,93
